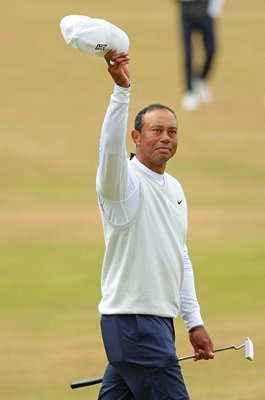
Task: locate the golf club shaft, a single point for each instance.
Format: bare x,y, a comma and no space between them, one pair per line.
229,347
215,351
94,381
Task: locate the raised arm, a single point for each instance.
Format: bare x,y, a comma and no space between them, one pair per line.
113,180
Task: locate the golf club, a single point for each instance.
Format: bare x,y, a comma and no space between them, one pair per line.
249,350
249,355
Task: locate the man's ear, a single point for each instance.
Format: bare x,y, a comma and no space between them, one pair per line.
136,136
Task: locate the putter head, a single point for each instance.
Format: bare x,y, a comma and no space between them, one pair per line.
249,349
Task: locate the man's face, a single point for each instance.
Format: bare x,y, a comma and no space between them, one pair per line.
157,141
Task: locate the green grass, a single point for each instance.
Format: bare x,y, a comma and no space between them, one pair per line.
50,325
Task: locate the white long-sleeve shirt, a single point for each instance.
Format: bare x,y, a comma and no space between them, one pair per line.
119,192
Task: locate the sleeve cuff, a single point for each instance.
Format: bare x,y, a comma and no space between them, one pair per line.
119,90
196,326
194,321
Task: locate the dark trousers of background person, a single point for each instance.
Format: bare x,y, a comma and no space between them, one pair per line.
192,23
142,359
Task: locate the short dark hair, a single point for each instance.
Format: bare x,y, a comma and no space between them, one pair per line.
138,122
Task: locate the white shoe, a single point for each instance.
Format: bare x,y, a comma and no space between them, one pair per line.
203,92
189,101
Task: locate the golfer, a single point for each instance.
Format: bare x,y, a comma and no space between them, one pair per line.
198,17
147,276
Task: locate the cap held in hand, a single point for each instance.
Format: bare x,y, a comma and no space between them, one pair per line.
93,35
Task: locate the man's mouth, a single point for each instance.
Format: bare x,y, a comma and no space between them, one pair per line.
161,148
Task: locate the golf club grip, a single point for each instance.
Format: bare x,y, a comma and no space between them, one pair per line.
95,381
87,382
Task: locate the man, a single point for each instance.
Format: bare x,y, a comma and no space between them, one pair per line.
198,16
147,277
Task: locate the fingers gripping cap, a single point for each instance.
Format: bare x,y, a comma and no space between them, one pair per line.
93,35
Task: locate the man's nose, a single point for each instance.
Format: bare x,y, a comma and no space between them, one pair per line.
165,137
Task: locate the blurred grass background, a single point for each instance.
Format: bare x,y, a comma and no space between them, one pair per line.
53,100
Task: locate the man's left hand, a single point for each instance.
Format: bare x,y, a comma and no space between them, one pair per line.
202,344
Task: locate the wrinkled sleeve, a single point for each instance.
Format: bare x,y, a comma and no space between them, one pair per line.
190,309
114,181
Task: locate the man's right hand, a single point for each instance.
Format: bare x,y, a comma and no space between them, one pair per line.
117,67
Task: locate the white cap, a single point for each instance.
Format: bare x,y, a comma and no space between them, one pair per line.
93,35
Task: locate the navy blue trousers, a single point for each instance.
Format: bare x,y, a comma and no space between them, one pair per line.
142,359
205,26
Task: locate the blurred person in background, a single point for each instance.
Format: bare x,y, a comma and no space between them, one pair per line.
147,276
198,16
